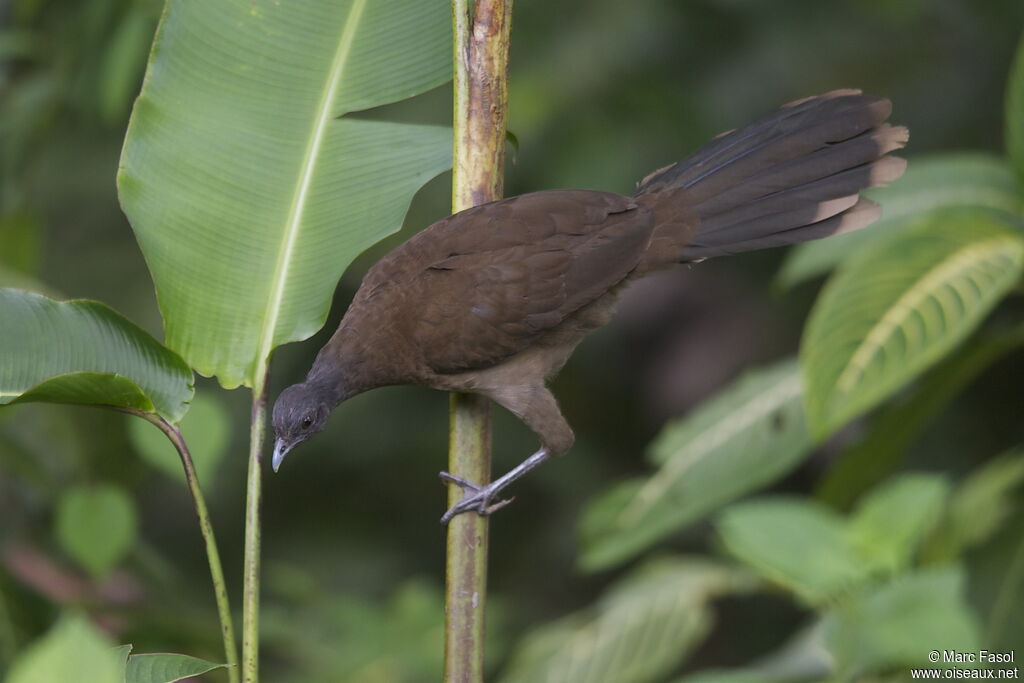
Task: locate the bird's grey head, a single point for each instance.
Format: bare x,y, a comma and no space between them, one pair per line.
300,412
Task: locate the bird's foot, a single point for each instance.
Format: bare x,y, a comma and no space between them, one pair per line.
476,498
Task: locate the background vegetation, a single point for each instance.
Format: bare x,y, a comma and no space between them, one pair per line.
601,93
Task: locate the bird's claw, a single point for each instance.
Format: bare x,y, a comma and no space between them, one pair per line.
476,498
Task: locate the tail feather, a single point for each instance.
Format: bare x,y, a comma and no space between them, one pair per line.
860,215
820,163
812,197
790,177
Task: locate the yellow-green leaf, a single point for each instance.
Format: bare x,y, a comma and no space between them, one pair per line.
931,182
894,310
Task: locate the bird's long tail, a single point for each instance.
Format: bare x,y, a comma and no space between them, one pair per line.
790,177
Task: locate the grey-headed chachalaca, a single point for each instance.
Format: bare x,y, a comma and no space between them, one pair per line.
494,299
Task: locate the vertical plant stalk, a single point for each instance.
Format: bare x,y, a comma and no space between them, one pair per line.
481,49
251,562
220,589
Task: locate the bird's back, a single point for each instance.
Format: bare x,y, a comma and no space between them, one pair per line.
484,284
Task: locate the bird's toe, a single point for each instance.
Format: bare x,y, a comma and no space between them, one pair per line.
477,499
464,484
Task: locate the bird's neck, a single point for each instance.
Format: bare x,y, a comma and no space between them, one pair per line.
356,359
347,365
330,381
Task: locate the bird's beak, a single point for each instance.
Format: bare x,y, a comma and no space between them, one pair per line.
280,450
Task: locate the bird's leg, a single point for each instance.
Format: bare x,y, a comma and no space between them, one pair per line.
479,498
535,406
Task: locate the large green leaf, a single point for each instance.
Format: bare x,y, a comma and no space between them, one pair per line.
979,506
1015,113
85,352
893,311
888,526
73,650
249,187
639,632
747,436
931,182
899,422
899,623
797,543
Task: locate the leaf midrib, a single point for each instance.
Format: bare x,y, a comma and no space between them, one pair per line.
709,439
300,196
907,303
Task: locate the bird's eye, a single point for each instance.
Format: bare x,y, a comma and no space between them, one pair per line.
306,422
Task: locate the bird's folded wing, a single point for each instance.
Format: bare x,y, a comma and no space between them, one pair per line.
512,271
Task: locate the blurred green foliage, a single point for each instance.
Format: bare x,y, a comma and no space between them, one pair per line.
96,526
602,92
206,429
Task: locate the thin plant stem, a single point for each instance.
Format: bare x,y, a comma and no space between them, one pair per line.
251,582
480,110
220,590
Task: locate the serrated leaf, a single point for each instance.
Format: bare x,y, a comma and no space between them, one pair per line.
798,543
73,650
984,501
892,430
891,521
899,623
639,632
206,429
96,526
892,312
85,352
166,668
1015,114
748,435
930,183
249,188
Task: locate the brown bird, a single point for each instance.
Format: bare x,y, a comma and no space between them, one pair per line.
493,300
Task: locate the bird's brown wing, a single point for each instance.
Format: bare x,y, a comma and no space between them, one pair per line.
492,280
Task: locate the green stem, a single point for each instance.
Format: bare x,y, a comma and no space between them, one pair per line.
466,570
251,584
480,114
220,590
